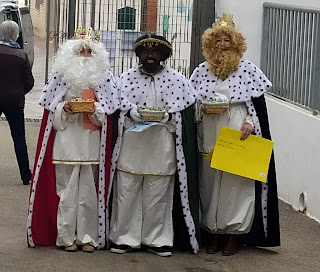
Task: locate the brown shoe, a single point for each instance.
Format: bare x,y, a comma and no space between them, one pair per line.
72,248
87,248
214,243
233,245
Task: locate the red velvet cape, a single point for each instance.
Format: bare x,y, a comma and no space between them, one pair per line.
44,217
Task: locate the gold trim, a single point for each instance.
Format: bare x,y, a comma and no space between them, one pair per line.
203,153
145,174
86,34
152,40
74,161
225,20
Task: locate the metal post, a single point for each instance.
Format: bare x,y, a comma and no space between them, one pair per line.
71,18
93,13
57,25
47,39
203,16
265,39
315,94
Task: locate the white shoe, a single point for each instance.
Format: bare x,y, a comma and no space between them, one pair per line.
120,249
164,251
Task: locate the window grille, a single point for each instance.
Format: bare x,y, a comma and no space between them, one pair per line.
290,54
127,18
122,21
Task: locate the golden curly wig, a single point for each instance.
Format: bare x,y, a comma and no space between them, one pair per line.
223,60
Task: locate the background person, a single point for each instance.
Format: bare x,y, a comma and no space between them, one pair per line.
233,207
16,81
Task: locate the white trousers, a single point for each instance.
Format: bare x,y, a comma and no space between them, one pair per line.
142,210
227,201
77,217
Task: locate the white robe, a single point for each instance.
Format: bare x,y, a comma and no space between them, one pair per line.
176,93
143,190
76,153
73,144
227,200
52,94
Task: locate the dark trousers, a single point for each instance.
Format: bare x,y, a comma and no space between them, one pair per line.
15,117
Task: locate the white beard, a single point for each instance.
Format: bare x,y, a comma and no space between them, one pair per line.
83,73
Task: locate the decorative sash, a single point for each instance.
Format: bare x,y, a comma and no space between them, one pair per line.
87,124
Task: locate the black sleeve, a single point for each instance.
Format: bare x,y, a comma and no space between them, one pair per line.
262,113
28,77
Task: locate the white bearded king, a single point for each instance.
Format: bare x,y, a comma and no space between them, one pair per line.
78,71
78,155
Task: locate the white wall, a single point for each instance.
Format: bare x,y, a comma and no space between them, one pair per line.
247,15
297,153
294,131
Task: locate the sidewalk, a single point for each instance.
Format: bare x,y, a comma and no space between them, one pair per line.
300,236
32,109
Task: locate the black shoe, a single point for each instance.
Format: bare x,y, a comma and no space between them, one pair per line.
26,176
214,243
120,249
164,251
25,181
233,245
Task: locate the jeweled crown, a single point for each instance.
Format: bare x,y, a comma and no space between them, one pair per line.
225,20
87,34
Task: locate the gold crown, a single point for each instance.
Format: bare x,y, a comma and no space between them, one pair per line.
87,34
226,20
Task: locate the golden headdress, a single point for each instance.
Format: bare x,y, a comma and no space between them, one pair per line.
87,34
225,20
224,25
153,40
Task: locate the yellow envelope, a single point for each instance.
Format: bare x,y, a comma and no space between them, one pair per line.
208,157
249,158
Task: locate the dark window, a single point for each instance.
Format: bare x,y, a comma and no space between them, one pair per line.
127,18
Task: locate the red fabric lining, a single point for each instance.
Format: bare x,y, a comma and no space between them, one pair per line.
44,213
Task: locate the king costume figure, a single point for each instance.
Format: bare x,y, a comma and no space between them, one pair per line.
146,163
72,166
234,210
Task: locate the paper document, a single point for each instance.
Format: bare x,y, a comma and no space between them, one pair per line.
141,126
249,158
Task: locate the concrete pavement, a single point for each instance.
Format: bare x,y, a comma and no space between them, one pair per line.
300,250
32,108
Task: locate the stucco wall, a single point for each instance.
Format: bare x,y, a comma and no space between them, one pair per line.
297,153
294,130
247,15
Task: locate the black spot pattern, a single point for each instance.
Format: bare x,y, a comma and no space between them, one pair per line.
167,83
176,99
246,83
106,93
244,87
264,191
108,98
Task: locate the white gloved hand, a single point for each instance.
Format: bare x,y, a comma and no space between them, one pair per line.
134,114
165,118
